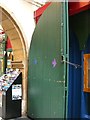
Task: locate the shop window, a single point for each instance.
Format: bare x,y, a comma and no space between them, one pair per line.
86,72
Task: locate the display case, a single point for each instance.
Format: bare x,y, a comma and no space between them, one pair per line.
86,73
11,87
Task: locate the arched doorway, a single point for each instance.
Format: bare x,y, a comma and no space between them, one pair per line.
19,49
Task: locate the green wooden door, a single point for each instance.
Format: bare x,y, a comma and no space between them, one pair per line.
47,74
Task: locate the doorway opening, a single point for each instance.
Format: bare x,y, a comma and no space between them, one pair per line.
13,31
79,47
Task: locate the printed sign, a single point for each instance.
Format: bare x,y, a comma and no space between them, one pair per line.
16,92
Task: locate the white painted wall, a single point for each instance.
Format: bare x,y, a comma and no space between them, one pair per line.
22,13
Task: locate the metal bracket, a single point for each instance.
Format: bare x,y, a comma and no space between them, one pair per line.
70,63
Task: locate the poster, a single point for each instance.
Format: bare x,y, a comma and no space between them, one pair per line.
16,92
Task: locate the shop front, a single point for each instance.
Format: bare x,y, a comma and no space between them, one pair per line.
59,61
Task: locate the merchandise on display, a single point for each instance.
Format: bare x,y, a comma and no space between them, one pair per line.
7,79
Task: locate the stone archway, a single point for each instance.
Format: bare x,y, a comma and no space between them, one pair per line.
19,49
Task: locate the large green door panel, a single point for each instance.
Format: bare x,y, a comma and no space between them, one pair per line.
46,79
